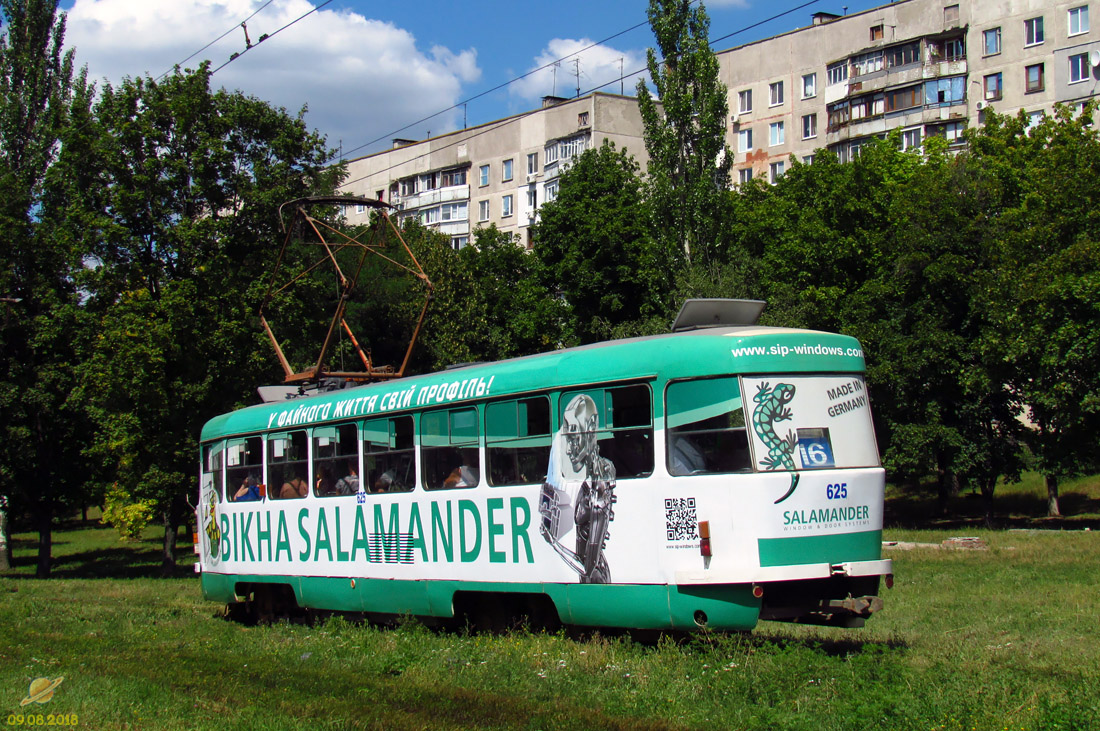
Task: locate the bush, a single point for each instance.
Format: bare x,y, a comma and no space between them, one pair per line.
128,516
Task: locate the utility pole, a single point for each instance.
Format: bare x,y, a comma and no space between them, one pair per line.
577,73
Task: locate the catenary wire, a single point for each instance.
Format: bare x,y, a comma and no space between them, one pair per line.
489,127
223,35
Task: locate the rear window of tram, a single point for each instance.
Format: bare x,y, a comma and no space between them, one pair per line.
706,427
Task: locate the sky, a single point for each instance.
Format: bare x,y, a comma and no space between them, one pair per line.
368,72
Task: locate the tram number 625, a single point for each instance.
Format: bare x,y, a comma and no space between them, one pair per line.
836,492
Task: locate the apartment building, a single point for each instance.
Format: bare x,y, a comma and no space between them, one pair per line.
928,67
496,173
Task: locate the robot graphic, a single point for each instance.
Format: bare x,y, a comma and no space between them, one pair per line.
579,493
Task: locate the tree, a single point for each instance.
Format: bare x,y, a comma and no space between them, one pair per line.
685,133
41,466
595,248
183,222
1045,283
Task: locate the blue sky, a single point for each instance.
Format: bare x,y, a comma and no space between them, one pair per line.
367,69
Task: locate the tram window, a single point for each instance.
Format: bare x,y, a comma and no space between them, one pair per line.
287,464
390,454
335,460
212,457
624,426
706,428
448,449
517,441
244,459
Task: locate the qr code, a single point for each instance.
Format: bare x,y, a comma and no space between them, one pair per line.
681,523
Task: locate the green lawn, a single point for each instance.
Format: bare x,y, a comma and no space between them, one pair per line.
998,639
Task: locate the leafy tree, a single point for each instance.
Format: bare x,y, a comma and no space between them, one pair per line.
685,133
595,248
183,222
1041,298
41,466
521,316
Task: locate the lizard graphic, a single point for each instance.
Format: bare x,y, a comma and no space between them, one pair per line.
772,407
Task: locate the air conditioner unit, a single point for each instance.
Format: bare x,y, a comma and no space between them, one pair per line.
980,106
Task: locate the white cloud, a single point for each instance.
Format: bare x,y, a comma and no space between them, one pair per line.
360,78
599,66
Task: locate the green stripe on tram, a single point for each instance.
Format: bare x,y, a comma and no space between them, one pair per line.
836,548
640,606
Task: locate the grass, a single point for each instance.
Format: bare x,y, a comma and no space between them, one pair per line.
1019,504
984,640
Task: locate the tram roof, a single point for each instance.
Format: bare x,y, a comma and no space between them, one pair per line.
685,354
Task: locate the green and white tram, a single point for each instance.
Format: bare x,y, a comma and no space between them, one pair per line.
714,476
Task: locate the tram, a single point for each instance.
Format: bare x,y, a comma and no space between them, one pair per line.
714,476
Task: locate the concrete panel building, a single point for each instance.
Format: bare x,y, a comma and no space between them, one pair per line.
496,173
926,67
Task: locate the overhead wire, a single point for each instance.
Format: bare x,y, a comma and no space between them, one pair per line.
223,35
269,36
490,126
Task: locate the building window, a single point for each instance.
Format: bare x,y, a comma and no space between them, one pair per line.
483,210
532,200
550,154
949,90
876,32
360,208
809,86
775,134
1078,68
506,171
1034,76
951,15
451,178
483,175
776,94
744,101
455,211
572,147
837,72
903,55
744,175
991,41
839,114
948,49
506,206
429,216
910,138
459,242
1033,31
992,87
775,172
744,140
952,131
903,98
867,63
532,163
1079,20
807,159
1034,119
809,126
582,119
550,191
